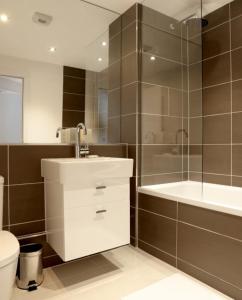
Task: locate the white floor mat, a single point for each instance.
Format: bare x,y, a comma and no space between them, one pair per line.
177,286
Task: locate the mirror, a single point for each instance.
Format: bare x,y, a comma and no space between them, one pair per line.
55,71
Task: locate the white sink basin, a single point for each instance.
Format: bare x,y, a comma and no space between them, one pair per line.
72,170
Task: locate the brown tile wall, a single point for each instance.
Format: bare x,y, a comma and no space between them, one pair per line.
128,38
114,81
74,84
203,243
217,106
24,211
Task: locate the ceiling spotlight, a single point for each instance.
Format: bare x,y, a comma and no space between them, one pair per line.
152,58
104,43
52,49
4,18
100,59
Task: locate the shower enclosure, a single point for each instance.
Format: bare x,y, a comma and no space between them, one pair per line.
171,94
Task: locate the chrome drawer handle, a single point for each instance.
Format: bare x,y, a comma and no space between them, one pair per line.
101,211
101,187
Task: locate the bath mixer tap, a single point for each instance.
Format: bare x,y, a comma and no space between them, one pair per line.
58,131
81,150
181,131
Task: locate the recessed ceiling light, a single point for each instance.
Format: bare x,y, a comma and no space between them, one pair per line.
152,58
100,59
52,49
104,43
4,18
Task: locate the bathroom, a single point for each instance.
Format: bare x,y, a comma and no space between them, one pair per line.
120,149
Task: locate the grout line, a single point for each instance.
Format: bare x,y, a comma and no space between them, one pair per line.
189,111
22,223
80,78
28,236
8,189
27,183
163,58
74,110
211,231
158,174
159,215
177,218
188,263
156,249
216,26
163,86
214,56
231,99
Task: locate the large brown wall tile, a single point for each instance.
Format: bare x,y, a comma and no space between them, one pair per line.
164,207
130,69
210,279
237,95
237,160
217,99
170,259
162,178
157,231
217,17
216,70
26,203
25,161
217,179
74,72
160,159
161,72
129,38
72,118
216,41
237,128
236,8
217,159
211,252
236,39
74,85
28,228
154,99
153,41
237,64
73,102
118,150
217,129
115,49
222,223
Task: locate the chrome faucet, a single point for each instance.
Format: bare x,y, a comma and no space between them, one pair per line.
81,150
58,131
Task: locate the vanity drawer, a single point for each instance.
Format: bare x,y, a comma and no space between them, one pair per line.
96,228
75,198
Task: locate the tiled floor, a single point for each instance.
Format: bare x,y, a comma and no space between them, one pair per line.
124,273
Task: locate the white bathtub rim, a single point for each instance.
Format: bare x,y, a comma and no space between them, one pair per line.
227,209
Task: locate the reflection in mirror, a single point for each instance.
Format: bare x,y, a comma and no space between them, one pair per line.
61,53
11,109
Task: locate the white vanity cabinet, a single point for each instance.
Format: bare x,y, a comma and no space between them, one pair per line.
87,212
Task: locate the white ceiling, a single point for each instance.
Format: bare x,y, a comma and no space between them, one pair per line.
178,9
77,29
75,26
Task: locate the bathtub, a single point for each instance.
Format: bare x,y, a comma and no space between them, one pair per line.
222,198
